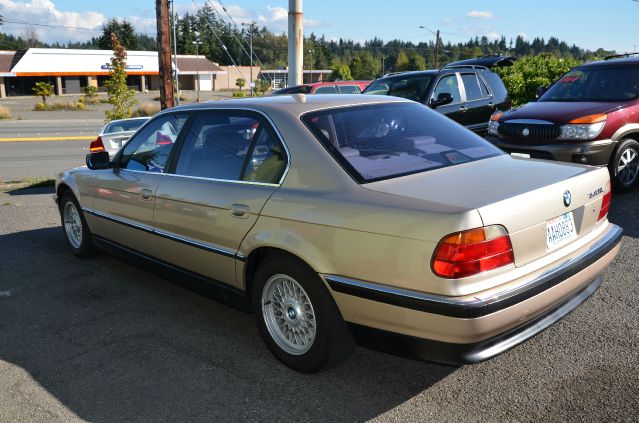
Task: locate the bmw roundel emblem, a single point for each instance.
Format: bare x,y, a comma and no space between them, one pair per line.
525,132
567,198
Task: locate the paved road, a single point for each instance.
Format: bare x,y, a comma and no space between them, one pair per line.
40,159
98,340
50,128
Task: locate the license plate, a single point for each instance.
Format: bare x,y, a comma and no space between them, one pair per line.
560,230
523,155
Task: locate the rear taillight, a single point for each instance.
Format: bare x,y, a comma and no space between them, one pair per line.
468,253
605,206
96,145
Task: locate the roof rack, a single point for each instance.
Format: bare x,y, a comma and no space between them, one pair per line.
615,56
392,73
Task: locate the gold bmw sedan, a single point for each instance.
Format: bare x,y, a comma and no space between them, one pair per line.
343,218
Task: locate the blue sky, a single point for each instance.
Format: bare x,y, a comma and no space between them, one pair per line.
587,23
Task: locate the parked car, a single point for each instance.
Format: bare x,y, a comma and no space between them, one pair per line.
467,92
589,116
115,134
349,216
332,87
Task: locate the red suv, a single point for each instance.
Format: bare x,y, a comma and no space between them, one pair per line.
589,116
333,87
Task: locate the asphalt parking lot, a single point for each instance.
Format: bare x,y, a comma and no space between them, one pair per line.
98,340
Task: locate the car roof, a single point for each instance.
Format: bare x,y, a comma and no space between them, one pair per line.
293,103
633,60
412,73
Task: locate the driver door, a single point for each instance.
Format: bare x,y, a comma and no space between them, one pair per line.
456,110
124,196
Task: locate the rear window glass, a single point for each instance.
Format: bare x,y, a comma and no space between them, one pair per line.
348,89
124,125
383,141
326,90
412,87
596,83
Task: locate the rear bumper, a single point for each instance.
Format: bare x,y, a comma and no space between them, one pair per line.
469,330
591,152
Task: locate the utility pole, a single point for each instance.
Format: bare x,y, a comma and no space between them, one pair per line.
436,34
295,42
383,68
197,63
176,70
437,50
164,54
250,25
312,53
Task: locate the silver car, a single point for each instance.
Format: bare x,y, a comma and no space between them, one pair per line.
115,134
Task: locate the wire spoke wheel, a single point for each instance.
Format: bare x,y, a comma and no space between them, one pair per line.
288,314
72,224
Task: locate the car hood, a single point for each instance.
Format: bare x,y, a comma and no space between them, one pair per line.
559,112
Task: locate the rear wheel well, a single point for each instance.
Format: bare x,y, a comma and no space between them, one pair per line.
255,258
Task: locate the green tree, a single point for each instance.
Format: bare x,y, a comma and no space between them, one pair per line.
364,66
530,72
401,63
123,30
90,91
416,61
341,72
44,90
120,96
240,82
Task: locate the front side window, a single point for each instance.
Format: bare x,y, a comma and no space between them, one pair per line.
233,146
383,141
450,85
412,87
596,83
149,149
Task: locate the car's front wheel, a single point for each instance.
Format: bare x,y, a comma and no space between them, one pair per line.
297,317
76,230
624,166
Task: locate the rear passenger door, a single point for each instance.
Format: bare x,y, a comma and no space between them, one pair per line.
228,165
479,103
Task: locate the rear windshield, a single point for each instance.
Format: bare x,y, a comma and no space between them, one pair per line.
382,141
596,83
412,87
124,125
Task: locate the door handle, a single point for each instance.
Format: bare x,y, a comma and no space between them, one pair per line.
463,108
146,194
491,104
240,210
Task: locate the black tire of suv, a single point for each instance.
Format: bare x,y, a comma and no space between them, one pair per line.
623,146
333,342
85,249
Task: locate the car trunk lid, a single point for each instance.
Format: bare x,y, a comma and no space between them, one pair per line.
525,196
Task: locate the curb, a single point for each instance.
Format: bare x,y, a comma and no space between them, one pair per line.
57,138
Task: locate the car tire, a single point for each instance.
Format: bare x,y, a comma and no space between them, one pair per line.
297,316
75,228
624,166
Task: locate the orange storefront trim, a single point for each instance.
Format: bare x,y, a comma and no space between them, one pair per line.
81,73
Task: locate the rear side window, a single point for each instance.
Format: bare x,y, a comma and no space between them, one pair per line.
472,87
348,89
496,85
412,87
382,141
232,146
326,90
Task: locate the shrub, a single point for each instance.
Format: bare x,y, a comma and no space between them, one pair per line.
238,94
530,72
5,113
40,107
90,91
146,109
44,90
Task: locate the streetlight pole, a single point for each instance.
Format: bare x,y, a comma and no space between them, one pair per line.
436,44
197,63
383,68
311,51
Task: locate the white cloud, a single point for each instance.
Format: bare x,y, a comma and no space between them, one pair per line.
478,14
446,21
78,26
277,20
523,35
492,36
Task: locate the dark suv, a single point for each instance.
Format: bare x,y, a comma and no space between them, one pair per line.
590,116
467,91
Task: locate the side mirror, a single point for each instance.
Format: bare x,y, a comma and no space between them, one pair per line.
442,100
99,160
540,91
